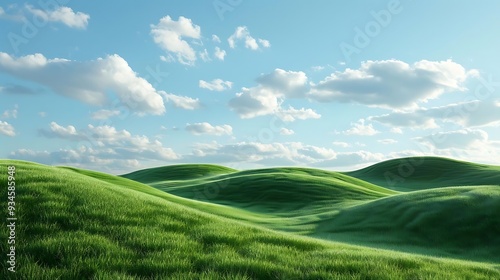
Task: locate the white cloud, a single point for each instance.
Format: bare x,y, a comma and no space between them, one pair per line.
204,55
341,144
206,128
392,83
98,146
57,131
219,54
7,129
264,43
387,141
215,38
7,114
104,114
242,34
215,85
266,98
183,102
362,129
286,131
42,114
87,81
63,15
461,139
169,34
289,153
467,114
291,114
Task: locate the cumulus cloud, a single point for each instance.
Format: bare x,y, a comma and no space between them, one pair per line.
392,83
215,85
206,128
183,102
474,113
461,139
291,114
266,98
289,153
362,129
98,146
64,15
170,34
242,34
7,129
57,131
286,131
87,81
219,53
104,114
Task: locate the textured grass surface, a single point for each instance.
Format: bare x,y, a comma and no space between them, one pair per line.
77,224
457,222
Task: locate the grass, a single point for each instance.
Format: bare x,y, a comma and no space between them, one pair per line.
79,224
418,173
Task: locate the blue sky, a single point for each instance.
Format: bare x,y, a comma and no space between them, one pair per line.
246,84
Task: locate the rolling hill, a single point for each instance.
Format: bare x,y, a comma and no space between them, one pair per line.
418,173
81,224
335,206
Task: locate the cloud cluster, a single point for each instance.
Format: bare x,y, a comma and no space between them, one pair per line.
182,102
289,153
7,129
266,98
474,113
87,81
392,83
208,129
215,85
170,35
98,146
361,129
459,139
64,15
242,34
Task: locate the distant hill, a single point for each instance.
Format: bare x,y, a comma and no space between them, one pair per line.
418,173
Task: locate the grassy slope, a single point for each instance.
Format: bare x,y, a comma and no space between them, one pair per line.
417,173
178,172
275,190
75,225
331,205
457,220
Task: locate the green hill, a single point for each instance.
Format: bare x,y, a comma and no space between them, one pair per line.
417,173
178,172
457,220
79,224
273,190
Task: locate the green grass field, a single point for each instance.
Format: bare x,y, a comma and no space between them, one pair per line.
212,222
